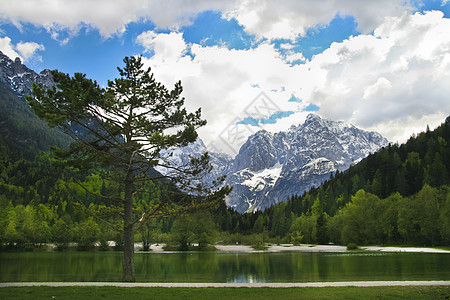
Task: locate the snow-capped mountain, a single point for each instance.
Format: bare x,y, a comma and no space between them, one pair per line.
271,167
20,78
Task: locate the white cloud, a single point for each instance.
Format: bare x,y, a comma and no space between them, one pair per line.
109,17
25,51
28,49
7,48
393,78
165,46
290,18
265,18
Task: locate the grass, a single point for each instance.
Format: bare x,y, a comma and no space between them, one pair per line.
121,293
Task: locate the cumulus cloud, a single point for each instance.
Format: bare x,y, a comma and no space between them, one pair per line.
165,46
109,17
7,48
288,19
25,51
264,18
393,81
28,49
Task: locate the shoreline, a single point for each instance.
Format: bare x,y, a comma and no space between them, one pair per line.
231,285
311,248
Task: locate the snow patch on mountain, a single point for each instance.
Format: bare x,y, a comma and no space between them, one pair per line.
264,178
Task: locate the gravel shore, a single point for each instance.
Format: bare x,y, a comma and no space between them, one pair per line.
324,248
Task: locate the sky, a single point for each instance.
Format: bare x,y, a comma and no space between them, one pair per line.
381,65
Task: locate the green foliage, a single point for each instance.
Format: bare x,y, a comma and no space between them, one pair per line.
86,234
305,225
352,246
445,220
197,228
182,235
62,233
296,238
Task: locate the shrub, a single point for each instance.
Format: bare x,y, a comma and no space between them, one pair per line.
296,238
352,246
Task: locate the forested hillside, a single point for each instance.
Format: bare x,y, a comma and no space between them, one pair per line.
22,133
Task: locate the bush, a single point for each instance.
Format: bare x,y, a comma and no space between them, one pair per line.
352,246
296,238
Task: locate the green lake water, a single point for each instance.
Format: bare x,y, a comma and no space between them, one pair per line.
225,267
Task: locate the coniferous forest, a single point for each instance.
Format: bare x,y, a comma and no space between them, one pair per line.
398,195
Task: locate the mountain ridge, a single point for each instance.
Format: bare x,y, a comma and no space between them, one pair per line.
19,78
302,157
271,167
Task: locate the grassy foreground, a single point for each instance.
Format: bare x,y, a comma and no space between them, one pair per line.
121,293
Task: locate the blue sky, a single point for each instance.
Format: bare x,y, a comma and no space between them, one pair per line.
381,65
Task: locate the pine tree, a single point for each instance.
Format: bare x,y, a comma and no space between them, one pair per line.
120,130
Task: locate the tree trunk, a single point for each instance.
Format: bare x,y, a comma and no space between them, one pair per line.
128,235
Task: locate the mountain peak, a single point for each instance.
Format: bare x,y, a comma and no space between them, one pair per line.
312,117
19,78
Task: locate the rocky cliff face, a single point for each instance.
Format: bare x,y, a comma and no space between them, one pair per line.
20,78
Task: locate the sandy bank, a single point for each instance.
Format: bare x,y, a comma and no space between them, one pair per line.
283,247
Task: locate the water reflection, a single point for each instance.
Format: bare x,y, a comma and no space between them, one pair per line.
225,267
246,279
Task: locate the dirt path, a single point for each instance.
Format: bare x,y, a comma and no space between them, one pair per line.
232,285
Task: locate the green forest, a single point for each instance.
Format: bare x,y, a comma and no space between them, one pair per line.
398,195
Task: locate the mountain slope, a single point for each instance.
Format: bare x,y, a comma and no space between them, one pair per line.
21,131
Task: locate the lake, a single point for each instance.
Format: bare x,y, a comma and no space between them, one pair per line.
225,267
